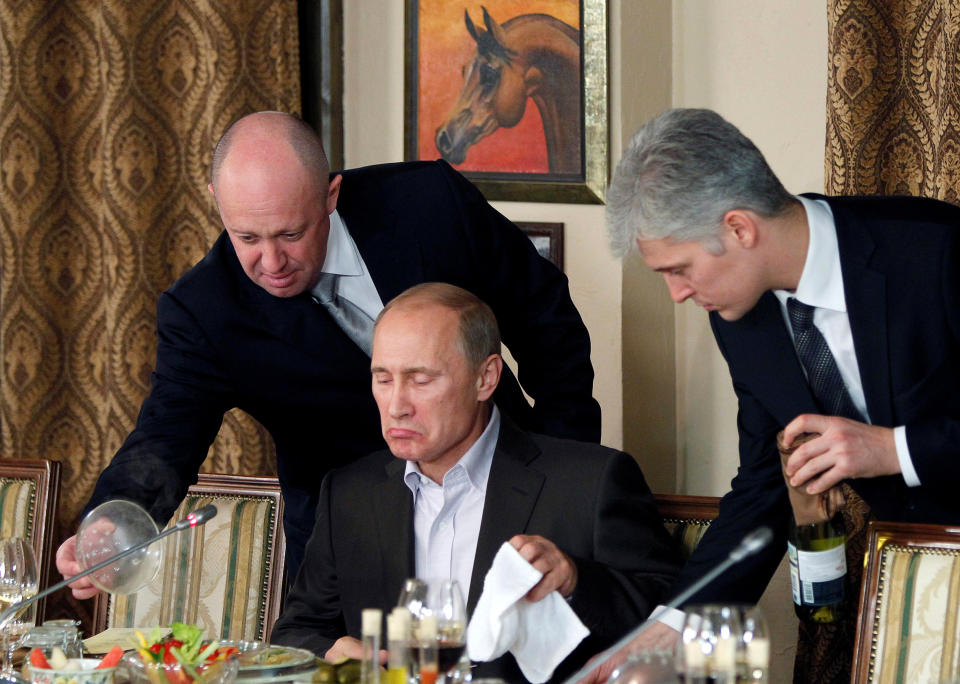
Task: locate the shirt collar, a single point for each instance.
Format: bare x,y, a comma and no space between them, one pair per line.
821,282
343,257
475,462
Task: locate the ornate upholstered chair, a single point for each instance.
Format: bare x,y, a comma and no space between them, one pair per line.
29,492
908,628
687,517
227,575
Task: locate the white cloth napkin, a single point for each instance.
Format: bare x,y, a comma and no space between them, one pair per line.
539,635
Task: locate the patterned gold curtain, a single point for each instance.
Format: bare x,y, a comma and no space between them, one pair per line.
893,103
109,110
893,128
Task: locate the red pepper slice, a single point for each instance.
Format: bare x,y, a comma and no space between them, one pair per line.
111,659
37,659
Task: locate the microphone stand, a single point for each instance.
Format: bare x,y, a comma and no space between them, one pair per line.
749,545
198,517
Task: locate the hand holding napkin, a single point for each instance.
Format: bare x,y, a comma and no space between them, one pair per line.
539,635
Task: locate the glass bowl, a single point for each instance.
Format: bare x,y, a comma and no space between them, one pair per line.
139,672
110,528
77,672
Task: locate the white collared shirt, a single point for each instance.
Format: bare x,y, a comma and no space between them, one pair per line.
821,286
343,259
446,517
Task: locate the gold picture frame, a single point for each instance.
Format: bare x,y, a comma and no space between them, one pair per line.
457,56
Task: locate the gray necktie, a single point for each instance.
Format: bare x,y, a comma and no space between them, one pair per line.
351,318
822,372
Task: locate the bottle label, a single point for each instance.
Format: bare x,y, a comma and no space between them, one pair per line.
816,577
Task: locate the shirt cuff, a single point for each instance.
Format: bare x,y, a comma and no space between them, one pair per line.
903,455
671,617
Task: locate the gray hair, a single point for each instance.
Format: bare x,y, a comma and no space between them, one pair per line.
304,141
479,333
680,174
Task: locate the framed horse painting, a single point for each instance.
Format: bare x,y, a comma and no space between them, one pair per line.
512,93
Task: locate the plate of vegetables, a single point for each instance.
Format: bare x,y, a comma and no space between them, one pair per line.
180,657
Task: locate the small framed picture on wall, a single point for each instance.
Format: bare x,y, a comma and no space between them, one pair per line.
547,238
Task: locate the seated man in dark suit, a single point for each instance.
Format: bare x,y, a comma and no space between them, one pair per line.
277,318
461,480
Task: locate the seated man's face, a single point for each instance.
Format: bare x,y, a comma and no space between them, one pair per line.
430,398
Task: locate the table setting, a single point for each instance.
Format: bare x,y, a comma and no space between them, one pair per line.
429,638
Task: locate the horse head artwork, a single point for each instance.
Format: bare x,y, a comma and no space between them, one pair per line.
531,56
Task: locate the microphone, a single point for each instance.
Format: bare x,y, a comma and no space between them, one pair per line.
198,517
749,545
752,543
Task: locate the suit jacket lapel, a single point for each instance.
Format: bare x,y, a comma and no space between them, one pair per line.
393,508
295,320
393,259
865,292
759,347
512,492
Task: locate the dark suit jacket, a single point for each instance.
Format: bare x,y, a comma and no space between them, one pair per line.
900,259
592,502
225,342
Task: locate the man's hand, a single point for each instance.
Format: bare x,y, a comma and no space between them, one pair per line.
559,570
348,647
68,566
844,449
657,636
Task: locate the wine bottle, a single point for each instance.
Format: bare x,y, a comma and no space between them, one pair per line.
818,570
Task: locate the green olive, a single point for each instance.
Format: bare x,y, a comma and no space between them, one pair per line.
349,672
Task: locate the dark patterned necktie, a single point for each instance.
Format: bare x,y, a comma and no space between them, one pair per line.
351,318
822,372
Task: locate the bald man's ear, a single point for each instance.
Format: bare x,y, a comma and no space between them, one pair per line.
333,193
489,376
210,188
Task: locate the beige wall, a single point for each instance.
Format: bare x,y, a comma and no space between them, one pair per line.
762,65
665,391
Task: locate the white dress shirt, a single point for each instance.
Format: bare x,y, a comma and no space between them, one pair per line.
446,516
821,286
343,259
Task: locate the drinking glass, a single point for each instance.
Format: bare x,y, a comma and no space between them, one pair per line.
18,581
646,667
753,654
707,650
445,601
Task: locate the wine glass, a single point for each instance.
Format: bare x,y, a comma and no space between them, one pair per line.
18,581
445,601
413,596
111,528
707,650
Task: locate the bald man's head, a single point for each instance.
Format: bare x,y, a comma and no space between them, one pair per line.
270,182
274,127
